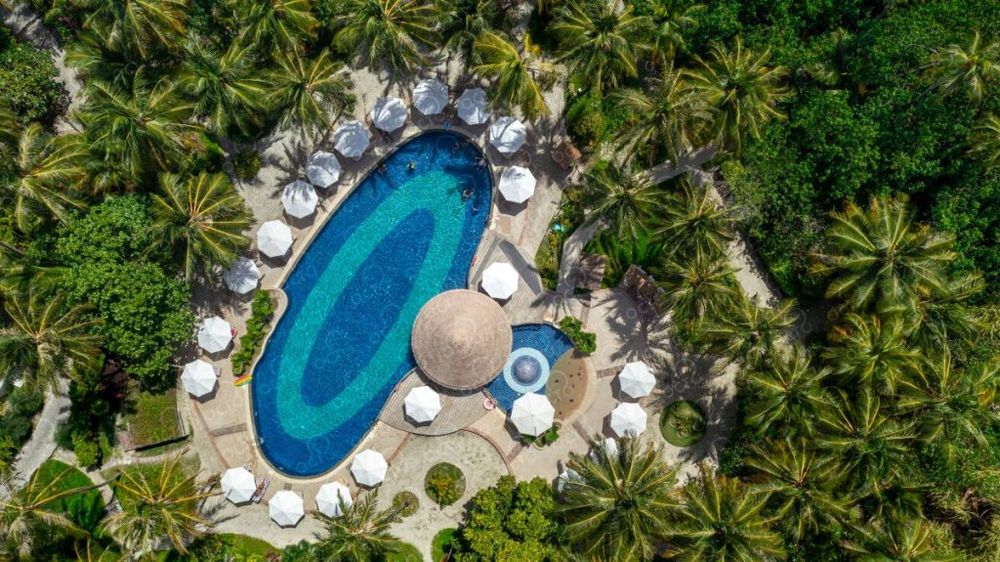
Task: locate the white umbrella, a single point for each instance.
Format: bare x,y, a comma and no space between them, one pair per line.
610,445
199,378
214,334
422,404
242,277
472,106
323,169
274,239
532,414
628,419
368,468
329,496
286,508
635,379
430,96
517,184
389,114
238,485
500,280
507,135
299,199
351,139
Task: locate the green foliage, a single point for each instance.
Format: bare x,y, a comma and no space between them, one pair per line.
16,422
407,503
510,521
85,449
543,439
682,423
444,483
261,311
443,543
569,216
246,164
224,547
27,81
583,341
152,418
84,509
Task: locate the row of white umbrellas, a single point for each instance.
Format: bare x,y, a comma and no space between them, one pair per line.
628,418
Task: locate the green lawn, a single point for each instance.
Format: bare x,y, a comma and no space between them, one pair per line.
442,543
85,509
152,418
408,553
224,546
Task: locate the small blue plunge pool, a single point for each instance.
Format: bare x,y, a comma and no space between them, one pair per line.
407,233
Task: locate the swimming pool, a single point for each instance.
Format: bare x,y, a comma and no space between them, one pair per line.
403,236
552,344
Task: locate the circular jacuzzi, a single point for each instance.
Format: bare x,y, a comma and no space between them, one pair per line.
526,370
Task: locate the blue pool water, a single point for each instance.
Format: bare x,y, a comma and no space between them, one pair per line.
343,343
546,339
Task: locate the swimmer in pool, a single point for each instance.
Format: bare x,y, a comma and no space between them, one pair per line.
411,166
466,193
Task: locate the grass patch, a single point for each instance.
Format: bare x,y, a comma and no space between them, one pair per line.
406,553
682,423
152,418
86,508
223,546
444,483
407,502
442,543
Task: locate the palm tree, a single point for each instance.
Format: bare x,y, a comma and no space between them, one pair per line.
879,257
620,504
137,25
388,31
516,75
952,406
694,222
306,90
45,338
669,116
160,504
48,171
742,89
749,332
802,484
969,68
91,551
93,54
670,19
279,25
788,395
225,88
901,539
986,141
872,350
203,218
465,20
624,200
871,445
601,41
361,533
696,288
9,126
940,316
720,518
134,131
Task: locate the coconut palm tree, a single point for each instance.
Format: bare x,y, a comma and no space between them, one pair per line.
203,218
28,512
696,288
361,533
160,504
226,89
45,338
803,485
986,141
517,76
694,222
49,169
669,116
952,406
968,68
939,317
872,351
279,25
391,32
137,25
878,257
670,19
134,131
742,90
9,127
720,518
601,41
901,539
620,504
788,395
749,332
871,445
624,200
91,551
93,54
465,20
308,89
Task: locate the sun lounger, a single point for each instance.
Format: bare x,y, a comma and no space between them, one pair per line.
261,490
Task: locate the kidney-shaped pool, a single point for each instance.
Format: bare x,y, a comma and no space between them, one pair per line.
407,232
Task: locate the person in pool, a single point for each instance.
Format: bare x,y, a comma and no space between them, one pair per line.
411,165
382,169
466,193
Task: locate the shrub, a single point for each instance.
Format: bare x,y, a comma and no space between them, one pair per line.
246,164
26,402
443,543
261,311
682,423
27,83
85,449
547,437
585,342
444,483
407,503
8,450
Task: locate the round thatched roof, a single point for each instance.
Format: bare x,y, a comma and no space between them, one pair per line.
461,339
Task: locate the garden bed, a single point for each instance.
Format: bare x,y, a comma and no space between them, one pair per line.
682,423
444,483
152,419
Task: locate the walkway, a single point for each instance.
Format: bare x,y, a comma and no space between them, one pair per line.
569,263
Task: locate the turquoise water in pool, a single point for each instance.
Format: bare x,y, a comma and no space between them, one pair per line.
403,236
